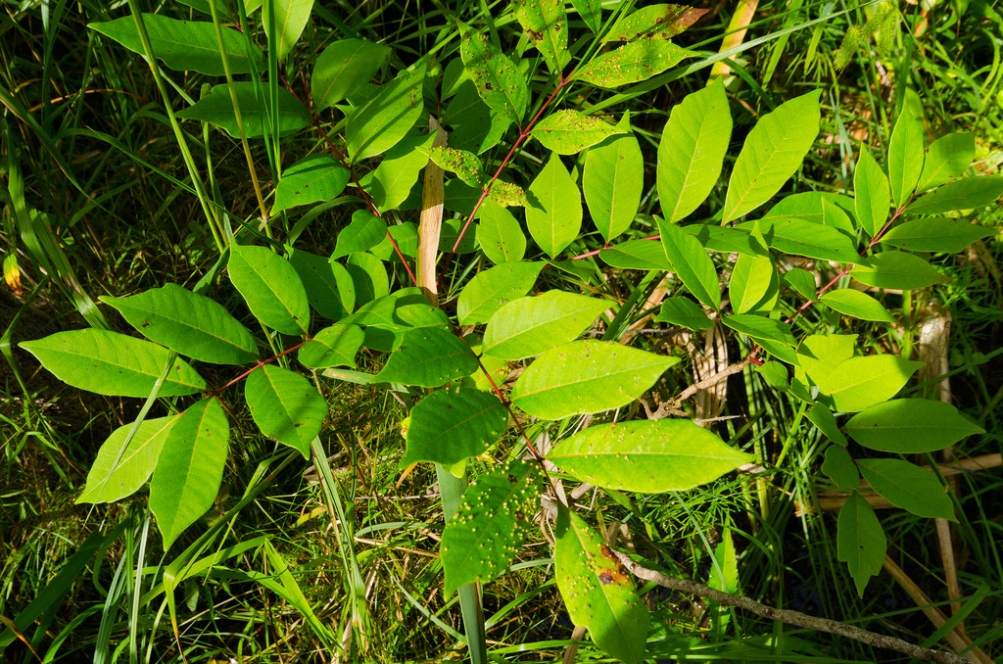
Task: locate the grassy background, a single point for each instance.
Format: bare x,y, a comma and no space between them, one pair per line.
97,200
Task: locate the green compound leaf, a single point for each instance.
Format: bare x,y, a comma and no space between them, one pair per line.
546,25
329,286
819,208
684,312
860,540
270,286
454,424
839,467
384,120
314,179
499,234
394,178
896,270
631,63
861,382
185,45
570,131
967,194
938,235
291,17
691,263
655,21
285,406
499,82
112,364
189,323
587,377
598,591
905,157
530,325
772,153
908,486
333,346
365,231
636,255
910,426
118,473
493,288
947,158
428,357
554,213
613,182
492,521
872,197
859,305
649,456
691,151
343,68
189,469
801,237
216,108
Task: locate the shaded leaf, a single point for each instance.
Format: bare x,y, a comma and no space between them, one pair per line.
342,68
216,108
333,346
313,179
428,357
761,328
365,231
860,540
453,424
908,486
840,468
825,421
291,17
910,426
636,255
591,13
801,282
329,287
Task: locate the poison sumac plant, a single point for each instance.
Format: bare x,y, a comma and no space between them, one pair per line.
455,369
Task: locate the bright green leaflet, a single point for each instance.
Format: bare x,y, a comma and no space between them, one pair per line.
285,406
938,234
751,277
966,194
569,131
587,377
546,25
691,263
384,120
475,126
190,323
821,209
184,45
691,151
428,357
491,523
369,277
530,325
860,540
761,328
365,231
597,590
270,286
591,13
839,466
685,312
329,287
453,424
499,82
801,282
333,346
216,108
613,182
819,354
861,382
636,255
724,573
872,197
499,234
394,178
910,426
190,468
908,486
801,237
773,151
554,214
344,67
896,270
465,164
107,482
489,290
112,364
947,158
648,456
631,63
905,157
655,21
859,305
313,179
825,421
291,17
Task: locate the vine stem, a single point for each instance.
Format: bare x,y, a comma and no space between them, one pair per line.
795,618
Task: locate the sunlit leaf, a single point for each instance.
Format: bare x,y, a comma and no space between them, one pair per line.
428,357
860,382
118,473
285,406
905,157
569,131
453,424
489,290
270,286
859,305
384,120
554,213
938,234
546,24
896,270
691,263
530,325
631,63
613,183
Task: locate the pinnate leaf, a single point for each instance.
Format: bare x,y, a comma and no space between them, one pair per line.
329,287
291,17
649,456
453,424
937,234
685,312
189,469
384,120
947,158
965,194
910,426
691,263
285,406
613,183
333,346
112,364
587,377
365,231
654,21
872,197
636,255
499,234
839,466
905,157
530,325
270,286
